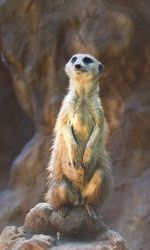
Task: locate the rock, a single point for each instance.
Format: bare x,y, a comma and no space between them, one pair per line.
13,238
74,231
10,127
37,242
74,224
109,240
38,220
42,219
11,233
131,169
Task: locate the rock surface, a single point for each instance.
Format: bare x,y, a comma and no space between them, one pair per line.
36,39
42,219
108,240
74,231
13,238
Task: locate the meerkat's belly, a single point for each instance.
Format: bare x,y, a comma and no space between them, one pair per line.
82,124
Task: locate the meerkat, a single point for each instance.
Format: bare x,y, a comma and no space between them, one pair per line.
79,167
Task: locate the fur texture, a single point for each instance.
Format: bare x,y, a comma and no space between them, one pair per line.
79,167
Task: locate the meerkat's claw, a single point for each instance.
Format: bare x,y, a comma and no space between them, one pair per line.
93,214
63,211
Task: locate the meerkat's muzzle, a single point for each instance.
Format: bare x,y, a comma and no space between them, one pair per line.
79,68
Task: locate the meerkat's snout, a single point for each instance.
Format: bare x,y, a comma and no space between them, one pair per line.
78,66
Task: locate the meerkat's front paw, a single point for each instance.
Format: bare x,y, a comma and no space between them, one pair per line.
87,157
74,159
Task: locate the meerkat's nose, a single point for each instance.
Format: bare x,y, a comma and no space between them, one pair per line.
78,66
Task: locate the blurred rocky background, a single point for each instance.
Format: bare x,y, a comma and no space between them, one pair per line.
36,39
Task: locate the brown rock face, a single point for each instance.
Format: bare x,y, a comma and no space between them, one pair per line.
36,39
74,231
13,238
14,123
42,219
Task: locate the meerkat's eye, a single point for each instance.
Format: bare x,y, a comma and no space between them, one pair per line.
87,60
73,59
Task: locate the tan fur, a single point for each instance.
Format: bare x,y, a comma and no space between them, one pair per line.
79,169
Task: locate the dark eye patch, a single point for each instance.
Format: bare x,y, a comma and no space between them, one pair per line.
87,60
73,59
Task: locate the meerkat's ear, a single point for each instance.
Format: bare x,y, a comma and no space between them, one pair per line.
101,68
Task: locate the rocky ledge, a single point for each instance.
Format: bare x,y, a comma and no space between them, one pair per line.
47,229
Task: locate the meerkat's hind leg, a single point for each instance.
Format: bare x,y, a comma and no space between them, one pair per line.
92,212
64,211
73,200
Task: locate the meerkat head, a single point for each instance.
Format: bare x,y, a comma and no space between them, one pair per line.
84,67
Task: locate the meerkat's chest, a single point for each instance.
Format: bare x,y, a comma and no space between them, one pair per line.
82,122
